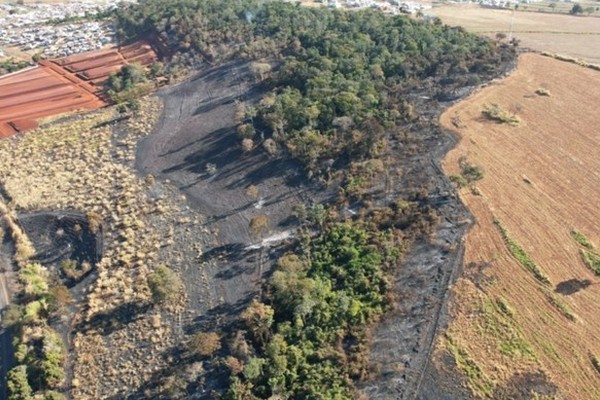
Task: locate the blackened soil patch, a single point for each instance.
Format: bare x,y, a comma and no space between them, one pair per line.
195,147
226,264
63,236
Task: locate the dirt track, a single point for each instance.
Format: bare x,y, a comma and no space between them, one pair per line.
542,179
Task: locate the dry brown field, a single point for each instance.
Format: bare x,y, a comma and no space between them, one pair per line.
541,180
577,36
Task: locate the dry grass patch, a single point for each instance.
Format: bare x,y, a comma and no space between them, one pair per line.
595,362
477,380
82,165
543,92
204,344
560,305
24,249
555,148
576,36
494,112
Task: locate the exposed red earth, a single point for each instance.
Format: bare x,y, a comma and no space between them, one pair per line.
62,85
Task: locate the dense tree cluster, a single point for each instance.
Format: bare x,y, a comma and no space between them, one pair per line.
342,77
308,336
128,84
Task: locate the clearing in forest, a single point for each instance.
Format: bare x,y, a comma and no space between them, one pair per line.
526,307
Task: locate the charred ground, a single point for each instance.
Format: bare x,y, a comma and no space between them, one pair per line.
198,127
281,143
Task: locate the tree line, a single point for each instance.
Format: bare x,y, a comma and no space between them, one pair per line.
341,78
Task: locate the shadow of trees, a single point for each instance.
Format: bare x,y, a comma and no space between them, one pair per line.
115,319
526,385
192,375
572,286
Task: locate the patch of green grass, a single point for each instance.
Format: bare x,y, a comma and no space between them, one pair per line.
477,380
459,180
592,261
495,113
582,240
521,255
499,323
516,347
503,306
550,350
560,305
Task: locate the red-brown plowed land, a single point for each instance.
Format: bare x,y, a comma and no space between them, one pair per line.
96,66
62,85
38,93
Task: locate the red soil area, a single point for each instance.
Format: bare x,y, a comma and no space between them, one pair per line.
97,65
62,85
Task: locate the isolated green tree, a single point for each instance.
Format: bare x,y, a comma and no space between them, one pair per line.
164,284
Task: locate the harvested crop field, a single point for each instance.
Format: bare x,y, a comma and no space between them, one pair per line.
524,314
576,36
62,85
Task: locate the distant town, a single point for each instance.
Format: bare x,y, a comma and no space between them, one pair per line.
389,6
54,30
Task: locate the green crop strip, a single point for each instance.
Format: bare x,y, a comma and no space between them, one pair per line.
521,255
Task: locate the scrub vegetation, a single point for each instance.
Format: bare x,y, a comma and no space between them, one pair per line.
308,335
521,255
